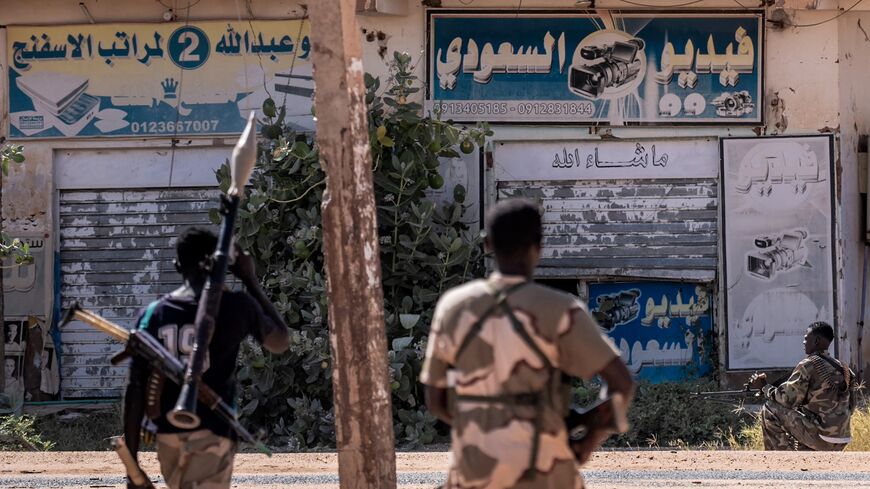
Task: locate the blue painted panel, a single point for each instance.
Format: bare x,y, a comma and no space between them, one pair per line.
663,329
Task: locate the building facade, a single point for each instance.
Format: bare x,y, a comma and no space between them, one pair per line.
699,166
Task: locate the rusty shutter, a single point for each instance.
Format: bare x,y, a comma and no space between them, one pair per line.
116,252
662,229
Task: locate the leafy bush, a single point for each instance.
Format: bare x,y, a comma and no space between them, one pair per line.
425,249
18,433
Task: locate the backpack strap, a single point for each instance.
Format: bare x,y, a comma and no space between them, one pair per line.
537,399
500,298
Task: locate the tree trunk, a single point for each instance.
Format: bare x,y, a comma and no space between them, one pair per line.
2,306
360,377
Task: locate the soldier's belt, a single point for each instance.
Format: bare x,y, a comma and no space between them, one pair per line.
529,399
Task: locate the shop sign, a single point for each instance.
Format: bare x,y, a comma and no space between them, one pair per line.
155,79
778,246
567,67
662,329
607,160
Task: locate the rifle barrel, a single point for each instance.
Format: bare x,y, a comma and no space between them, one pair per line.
743,392
108,327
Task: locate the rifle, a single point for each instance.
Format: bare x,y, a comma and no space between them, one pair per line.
134,472
242,164
737,396
607,414
141,344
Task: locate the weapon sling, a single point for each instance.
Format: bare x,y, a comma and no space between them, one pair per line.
537,399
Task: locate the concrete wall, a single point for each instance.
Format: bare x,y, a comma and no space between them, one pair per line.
814,73
854,56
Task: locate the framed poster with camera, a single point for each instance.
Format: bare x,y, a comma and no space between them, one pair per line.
578,67
779,262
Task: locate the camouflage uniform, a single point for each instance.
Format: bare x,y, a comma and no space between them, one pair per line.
196,459
493,443
812,409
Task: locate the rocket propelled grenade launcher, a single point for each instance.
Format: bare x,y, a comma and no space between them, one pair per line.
241,165
141,344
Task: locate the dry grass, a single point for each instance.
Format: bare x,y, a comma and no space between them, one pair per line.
749,437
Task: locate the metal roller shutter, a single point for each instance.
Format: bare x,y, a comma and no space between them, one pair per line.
665,229
116,252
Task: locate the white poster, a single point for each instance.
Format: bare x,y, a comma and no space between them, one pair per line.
777,199
606,160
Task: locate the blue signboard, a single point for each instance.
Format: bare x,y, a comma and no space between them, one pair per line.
662,329
578,67
167,79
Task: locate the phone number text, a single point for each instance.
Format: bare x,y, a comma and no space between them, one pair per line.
578,109
161,127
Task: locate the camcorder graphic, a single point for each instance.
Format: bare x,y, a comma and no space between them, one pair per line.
616,309
733,104
605,67
779,254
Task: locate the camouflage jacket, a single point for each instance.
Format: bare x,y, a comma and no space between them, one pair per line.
491,443
820,392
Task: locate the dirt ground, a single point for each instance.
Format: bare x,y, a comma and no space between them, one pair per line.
616,469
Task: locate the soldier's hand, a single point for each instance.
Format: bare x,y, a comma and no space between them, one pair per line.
583,449
243,266
757,381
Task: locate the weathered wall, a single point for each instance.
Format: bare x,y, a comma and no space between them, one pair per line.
816,74
854,56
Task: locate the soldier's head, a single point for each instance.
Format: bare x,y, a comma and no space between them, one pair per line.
818,338
194,247
513,233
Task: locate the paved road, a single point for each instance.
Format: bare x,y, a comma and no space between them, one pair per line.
616,470
594,478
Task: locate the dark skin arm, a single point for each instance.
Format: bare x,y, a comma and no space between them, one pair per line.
134,406
436,402
277,340
618,380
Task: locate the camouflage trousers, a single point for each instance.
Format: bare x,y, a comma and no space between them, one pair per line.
788,429
196,460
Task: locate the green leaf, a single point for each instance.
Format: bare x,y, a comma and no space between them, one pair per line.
300,149
400,344
456,245
408,321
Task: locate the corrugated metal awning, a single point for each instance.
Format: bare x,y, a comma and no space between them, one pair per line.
116,252
656,229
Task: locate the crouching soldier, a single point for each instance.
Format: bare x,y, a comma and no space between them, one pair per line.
812,409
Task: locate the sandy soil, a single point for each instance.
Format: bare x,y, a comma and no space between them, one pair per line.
88,463
658,468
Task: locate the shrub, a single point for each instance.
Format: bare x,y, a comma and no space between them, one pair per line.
425,249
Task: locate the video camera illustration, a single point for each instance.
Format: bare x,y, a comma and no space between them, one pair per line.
616,309
779,254
733,104
608,66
